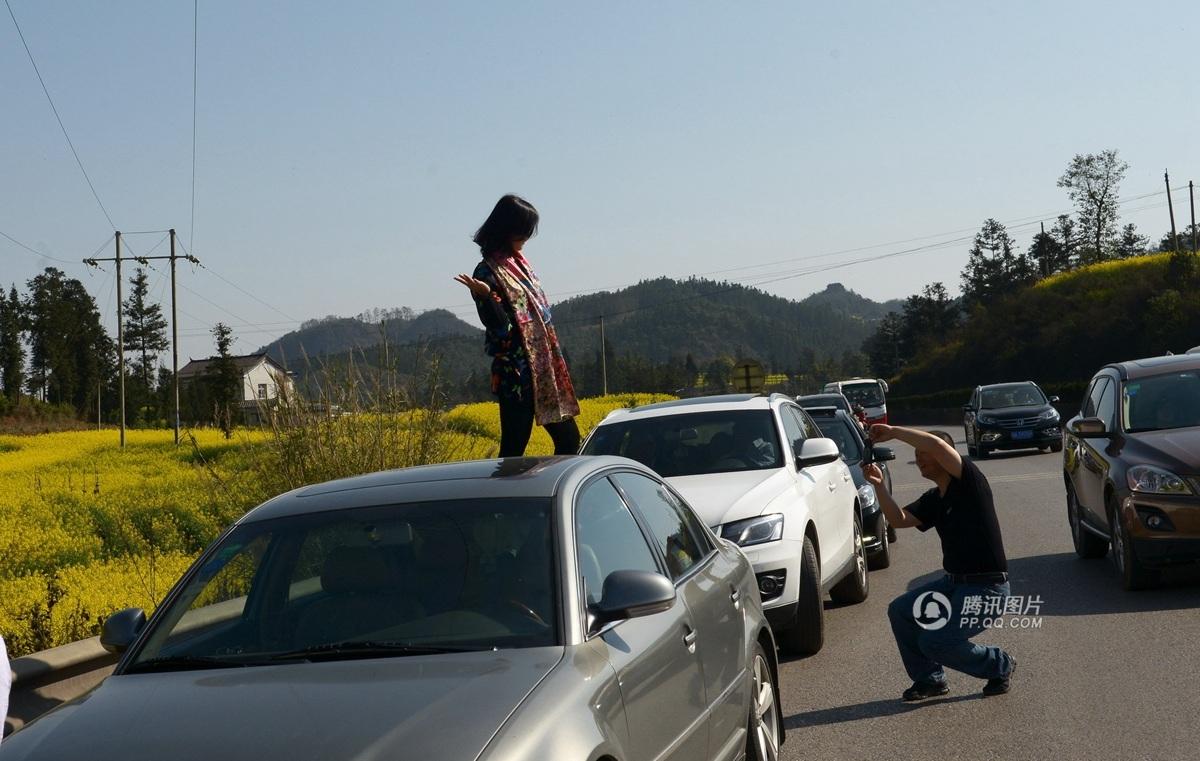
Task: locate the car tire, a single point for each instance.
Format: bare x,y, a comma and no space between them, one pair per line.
1134,575
807,635
882,557
1087,545
763,727
855,587
892,535
1056,446
981,453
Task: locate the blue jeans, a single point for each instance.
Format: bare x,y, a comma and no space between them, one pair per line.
926,649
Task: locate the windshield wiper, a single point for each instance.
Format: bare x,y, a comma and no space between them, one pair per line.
370,649
183,663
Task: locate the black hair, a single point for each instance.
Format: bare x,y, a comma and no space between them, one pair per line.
944,437
512,217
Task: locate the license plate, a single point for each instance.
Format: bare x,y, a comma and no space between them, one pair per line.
1022,435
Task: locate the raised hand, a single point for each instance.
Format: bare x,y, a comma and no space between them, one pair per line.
478,287
880,432
873,474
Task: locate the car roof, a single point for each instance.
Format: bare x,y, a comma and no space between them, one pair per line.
513,477
820,397
1141,368
1008,384
722,402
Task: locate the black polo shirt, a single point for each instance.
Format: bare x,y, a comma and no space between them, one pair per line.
965,519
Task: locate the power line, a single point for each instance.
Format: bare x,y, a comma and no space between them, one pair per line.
59,118
34,251
195,69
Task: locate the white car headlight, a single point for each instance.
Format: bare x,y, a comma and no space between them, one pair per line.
1151,480
758,530
866,495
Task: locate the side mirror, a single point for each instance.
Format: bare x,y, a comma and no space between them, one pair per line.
817,452
121,629
1054,400
883,453
1089,427
632,594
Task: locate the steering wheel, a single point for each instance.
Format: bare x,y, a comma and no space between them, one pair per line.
526,611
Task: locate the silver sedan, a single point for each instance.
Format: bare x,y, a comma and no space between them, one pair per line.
561,608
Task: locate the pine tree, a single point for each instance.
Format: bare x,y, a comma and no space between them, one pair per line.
70,353
1066,234
145,329
993,268
224,381
12,355
1131,242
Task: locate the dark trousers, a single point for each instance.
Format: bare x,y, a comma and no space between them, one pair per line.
925,650
516,425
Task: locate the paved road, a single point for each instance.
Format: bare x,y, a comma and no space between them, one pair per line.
1109,674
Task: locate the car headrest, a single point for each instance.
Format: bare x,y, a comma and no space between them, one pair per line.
357,569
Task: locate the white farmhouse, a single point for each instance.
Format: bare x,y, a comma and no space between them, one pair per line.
263,379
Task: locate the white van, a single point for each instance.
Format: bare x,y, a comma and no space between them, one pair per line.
870,393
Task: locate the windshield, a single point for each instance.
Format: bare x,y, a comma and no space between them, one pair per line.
1012,395
824,400
839,430
415,578
1161,402
701,442
868,393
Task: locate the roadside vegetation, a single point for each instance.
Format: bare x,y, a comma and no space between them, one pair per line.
87,529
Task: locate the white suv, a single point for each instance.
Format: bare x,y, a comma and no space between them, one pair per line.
758,470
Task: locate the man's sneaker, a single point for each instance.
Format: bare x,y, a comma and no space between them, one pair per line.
1001,684
922,690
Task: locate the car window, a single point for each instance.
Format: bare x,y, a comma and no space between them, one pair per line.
671,527
1161,402
693,443
793,431
839,430
1106,407
1093,398
607,538
459,574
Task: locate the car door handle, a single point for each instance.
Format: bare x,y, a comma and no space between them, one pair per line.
735,597
689,638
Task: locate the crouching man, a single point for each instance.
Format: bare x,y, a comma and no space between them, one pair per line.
930,628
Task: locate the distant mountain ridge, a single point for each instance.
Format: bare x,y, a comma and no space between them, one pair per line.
656,319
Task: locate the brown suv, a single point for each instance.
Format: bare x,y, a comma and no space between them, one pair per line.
1132,467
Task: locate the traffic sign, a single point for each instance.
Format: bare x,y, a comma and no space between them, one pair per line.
748,376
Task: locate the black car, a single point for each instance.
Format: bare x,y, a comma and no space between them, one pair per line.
836,424
1011,416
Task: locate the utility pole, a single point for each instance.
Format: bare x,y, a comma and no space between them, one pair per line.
1045,263
1171,209
1192,202
174,339
603,357
145,260
120,339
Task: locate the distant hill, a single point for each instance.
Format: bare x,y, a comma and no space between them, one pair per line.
664,318
337,335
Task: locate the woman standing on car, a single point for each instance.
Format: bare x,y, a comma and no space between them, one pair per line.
529,374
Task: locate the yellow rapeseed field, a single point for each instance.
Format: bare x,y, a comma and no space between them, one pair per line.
87,528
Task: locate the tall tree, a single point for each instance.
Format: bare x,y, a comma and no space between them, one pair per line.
993,268
928,319
1131,243
12,354
1047,254
1093,182
883,347
224,380
145,328
70,353
1066,233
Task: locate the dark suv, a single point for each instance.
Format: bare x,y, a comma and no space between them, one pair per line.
1132,467
1010,416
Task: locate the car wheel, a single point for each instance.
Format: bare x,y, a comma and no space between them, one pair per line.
981,453
1133,574
762,727
892,536
808,634
1087,544
882,557
1056,446
857,585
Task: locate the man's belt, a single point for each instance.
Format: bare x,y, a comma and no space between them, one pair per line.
996,577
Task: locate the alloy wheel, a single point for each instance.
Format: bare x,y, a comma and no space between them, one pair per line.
766,712
860,554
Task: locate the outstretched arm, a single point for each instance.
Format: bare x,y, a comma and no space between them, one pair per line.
896,516
946,455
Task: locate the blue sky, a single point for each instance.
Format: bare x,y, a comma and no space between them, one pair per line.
346,151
